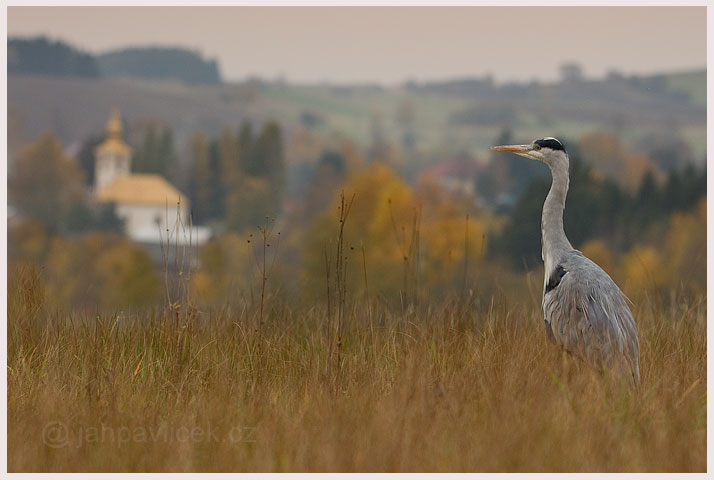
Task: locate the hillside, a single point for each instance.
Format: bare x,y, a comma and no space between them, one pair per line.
41,56
160,64
438,118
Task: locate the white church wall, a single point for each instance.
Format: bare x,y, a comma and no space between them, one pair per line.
109,166
148,223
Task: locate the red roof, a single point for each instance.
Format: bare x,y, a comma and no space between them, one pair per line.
462,166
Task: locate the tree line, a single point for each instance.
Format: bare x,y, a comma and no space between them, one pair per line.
238,177
598,207
42,56
233,181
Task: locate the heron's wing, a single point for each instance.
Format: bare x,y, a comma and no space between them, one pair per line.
587,314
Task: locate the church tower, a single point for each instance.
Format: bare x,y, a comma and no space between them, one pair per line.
112,156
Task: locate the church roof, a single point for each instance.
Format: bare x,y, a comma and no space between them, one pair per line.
113,145
146,189
114,142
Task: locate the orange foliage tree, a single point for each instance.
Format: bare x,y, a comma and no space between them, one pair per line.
609,156
45,183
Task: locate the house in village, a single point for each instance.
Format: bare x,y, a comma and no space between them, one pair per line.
153,210
456,174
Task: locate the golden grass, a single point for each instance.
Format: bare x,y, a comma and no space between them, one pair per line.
432,389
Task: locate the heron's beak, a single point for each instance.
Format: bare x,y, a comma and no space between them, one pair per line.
518,149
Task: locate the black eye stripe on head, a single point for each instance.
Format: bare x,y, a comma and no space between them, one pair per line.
550,142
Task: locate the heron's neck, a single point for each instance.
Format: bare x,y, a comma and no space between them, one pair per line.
553,235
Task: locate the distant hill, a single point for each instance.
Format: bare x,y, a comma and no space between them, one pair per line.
41,56
442,120
160,64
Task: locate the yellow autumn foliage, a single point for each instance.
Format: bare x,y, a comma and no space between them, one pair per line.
643,268
226,269
597,251
380,221
100,270
687,248
676,261
28,241
408,237
127,276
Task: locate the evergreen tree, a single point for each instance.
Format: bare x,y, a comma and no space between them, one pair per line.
694,185
200,188
217,203
593,208
167,158
144,159
270,155
684,188
82,218
245,149
248,204
87,157
648,201
252,175
156,153
229,153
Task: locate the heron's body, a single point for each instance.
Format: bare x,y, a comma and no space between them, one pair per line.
587,315
584,311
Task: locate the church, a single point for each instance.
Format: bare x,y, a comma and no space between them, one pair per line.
153,210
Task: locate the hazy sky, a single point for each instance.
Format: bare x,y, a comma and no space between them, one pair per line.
391,44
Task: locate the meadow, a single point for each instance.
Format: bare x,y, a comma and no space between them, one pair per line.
356,386
407,339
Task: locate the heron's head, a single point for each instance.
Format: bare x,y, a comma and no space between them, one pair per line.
548,150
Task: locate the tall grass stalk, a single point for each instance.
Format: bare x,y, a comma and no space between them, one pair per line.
444,392
178,267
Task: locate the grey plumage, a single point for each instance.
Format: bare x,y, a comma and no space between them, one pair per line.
584,310
588,315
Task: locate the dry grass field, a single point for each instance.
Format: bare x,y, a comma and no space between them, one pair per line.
439,388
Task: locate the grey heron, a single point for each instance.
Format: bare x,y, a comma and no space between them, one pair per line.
584,310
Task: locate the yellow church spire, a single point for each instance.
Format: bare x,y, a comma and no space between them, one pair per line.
113,155
114,125
114,143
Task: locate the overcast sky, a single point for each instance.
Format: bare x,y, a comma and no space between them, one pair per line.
391,44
